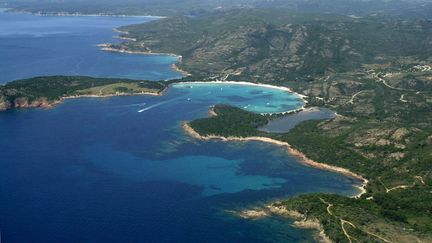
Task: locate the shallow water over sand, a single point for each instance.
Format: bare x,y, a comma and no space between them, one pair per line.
122,170
93,166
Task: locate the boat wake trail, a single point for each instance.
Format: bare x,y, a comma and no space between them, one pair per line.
134,105
156,105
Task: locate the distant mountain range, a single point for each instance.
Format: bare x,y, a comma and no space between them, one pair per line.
401,8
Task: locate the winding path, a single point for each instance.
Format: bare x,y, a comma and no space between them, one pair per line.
419,178
379,79
351,101
343,222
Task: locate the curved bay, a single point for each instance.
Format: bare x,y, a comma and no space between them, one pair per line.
98,170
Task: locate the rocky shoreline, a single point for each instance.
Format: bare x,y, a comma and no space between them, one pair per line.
24,103
301,156
114,48
176,68
300,221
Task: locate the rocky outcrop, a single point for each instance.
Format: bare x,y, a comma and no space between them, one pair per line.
400,133
4,104
301,221
429,140
23,102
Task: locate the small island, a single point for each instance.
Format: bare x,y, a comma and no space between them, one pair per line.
46,92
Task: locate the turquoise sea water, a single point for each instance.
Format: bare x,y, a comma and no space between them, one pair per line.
122,170
265,99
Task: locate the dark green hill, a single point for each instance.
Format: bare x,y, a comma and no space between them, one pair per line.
48,91
375,72
276,46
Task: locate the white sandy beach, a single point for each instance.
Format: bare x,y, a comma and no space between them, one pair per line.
286,89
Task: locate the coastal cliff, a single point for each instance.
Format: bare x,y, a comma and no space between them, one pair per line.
23,102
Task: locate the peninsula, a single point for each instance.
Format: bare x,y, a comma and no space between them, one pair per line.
374,72
46,92
338,218
380,88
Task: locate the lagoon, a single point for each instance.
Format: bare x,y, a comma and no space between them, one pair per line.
121,169
286,123
98,170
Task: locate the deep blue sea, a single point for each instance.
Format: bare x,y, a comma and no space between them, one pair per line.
36,46
121,169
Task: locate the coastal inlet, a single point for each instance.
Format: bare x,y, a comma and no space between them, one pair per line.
110,162
121,169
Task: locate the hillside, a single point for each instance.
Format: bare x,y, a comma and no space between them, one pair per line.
393,152
276,46
46,92
376,73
